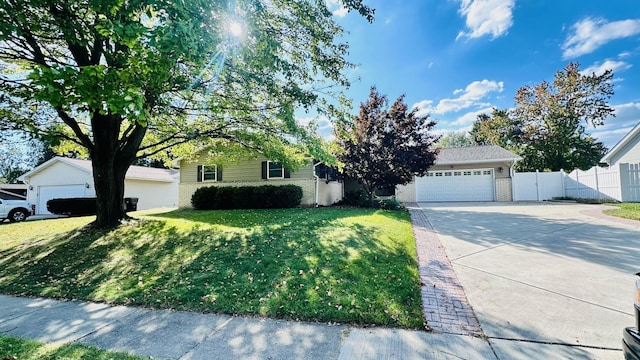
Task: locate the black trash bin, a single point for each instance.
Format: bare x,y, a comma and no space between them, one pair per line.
130,203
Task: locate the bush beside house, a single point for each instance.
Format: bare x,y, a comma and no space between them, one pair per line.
246,197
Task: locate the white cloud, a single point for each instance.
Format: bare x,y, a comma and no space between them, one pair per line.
341,11
470,96
336,8
599,69
470,117
424,107
322,122
589,34
486,17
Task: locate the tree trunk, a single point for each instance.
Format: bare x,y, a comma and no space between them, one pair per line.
108,177
111,158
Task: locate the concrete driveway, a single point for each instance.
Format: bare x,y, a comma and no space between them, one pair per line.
546,280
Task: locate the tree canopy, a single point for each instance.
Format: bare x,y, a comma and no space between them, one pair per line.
548,125
385,147
455,139
132,79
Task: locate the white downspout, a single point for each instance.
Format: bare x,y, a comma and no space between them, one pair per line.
315,200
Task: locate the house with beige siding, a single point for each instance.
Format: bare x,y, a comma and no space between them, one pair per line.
200,172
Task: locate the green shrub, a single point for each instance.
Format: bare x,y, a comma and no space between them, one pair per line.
356,198
204,198
246,197
389,204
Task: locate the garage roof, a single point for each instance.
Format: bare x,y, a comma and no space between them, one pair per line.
134,172
475,155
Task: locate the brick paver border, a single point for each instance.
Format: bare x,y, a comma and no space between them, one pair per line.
444,302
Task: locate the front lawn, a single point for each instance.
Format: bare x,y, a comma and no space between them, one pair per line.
21,349
328,265
625,210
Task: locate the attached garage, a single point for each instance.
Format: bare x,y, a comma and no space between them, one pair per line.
456,185
47,193
477,173
66,178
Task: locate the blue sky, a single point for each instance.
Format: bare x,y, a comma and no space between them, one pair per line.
455,59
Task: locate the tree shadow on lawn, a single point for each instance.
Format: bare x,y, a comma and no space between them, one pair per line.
307,265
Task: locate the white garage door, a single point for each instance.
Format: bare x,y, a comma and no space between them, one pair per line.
47,193
456,185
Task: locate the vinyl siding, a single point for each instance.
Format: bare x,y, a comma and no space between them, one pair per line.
628,154
243,173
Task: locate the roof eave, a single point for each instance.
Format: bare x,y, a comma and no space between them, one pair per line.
482,161
621,144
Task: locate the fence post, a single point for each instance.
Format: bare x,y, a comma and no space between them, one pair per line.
562,175
537,187
598,185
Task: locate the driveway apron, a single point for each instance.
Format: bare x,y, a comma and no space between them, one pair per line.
544,280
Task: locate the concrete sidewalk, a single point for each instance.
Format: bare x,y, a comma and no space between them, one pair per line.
165,334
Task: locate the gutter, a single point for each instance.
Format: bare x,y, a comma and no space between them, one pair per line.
315,196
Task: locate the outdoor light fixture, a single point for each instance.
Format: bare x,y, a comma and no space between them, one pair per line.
86,185
30,187
500,169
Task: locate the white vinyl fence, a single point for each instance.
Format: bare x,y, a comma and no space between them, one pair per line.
630,182
595,183
619,183
538,186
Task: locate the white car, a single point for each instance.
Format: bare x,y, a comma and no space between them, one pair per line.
15,210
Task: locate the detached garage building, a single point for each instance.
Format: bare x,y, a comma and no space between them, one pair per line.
475,173
67,178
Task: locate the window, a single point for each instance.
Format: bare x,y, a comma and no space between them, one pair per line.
457,173
438,174
477,173
275,170
486,172
430,174
448,173
209,173
466,173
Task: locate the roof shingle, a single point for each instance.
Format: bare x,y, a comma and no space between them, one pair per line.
474,154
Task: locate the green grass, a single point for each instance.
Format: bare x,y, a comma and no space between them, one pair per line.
20,349
625,210
327,265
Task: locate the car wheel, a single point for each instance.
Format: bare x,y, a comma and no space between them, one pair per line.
17,215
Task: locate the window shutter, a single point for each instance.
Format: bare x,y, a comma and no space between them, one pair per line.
199,179
218,173
264,169
287,174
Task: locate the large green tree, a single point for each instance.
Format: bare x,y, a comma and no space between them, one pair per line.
556,115
131,79
455,139
548,125
499,128
385,147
